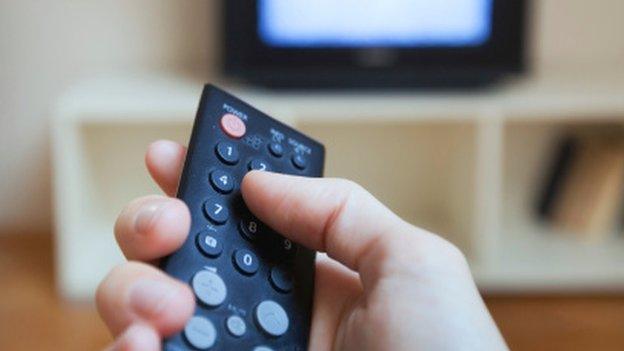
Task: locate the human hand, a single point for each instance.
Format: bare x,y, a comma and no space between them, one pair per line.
383,285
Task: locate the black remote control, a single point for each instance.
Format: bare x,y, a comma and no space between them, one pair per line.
253,287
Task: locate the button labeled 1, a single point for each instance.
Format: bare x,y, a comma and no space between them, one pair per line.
227,152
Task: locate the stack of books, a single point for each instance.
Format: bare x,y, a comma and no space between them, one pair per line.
584,190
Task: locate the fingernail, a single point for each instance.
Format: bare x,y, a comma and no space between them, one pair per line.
149,297
147,214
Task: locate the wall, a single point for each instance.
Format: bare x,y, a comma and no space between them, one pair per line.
47,45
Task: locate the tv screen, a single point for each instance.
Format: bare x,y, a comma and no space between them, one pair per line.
373,43
374,23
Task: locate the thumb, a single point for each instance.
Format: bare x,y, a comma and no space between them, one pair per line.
332,215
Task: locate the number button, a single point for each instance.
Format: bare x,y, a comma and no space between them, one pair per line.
222,181
281,279
209,245
246,261
258,165
250,228
276,149
216,211
227,152
286,248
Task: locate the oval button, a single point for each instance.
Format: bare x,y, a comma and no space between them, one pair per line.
209,288
233,126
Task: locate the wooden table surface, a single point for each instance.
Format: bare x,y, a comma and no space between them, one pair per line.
33,318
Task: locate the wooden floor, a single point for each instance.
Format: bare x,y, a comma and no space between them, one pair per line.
33,318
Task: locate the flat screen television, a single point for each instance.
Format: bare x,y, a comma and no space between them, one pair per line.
373,43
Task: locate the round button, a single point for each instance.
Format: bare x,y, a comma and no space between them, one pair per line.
276,149
246,261
233,126
271,318
236,326
227,152
200,333
209,288
209,245
249,228
281,279
258,165
286,248
299,161
222,181
216,211
262,348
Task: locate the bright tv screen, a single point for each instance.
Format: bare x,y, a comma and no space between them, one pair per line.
374,23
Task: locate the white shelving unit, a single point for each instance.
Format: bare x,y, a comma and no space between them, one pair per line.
463,165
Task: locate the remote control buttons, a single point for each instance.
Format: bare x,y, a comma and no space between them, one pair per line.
209,288
286,248
200,333
209,245
281,279
216,211
222,181
276,149
245,261
299,161
227,152
233,126
258,165
249,228
236,326
271,318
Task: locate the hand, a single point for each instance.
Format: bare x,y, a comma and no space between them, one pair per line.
383,285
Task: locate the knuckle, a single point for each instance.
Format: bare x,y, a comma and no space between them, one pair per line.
420,253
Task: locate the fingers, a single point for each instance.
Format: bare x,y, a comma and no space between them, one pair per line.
336,289
332,215
137,337
151,227
165,160
136,293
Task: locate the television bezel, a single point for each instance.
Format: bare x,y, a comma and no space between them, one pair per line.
247,57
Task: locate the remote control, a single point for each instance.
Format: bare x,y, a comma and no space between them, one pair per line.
253,287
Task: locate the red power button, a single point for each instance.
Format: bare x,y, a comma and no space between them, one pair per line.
233,126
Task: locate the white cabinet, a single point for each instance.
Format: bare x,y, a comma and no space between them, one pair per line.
463,165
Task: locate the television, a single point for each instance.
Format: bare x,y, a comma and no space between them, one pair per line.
373,43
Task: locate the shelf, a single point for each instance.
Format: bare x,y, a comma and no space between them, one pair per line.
462,165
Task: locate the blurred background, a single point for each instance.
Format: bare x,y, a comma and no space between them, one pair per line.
496,125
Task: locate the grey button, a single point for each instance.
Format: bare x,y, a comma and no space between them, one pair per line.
271,318
200,332
209,288
262,348
236,326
